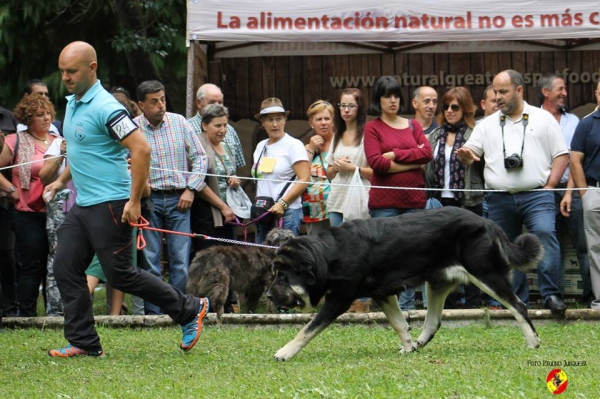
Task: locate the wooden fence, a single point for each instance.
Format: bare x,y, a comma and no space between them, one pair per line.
300,80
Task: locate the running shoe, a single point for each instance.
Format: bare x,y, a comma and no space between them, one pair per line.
73,351
193,329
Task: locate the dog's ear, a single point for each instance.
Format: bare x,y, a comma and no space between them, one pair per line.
296,258
278,236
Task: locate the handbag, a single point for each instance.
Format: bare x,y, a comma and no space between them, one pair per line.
356,204
36,202
260,206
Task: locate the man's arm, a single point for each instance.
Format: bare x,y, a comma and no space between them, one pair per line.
466,156
565,203
140,166
559,165
199,164
577,173
58,184
233,140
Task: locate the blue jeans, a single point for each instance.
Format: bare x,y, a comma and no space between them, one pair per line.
292,218
406,298
574,225
166,216
335,218
536,210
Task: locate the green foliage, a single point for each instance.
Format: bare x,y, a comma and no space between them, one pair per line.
33,32
342,362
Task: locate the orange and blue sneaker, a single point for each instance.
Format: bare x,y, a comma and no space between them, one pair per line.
73,351
193,329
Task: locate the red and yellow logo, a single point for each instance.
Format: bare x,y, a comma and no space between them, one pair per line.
557,381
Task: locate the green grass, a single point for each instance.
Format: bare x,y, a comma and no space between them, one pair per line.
343,362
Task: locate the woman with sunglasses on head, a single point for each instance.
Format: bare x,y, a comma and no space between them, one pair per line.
456,122
347,152
314,199
445,172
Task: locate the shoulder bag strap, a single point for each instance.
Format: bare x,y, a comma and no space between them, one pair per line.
258,162
323,164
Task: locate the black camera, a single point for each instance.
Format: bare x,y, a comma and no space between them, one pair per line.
513,161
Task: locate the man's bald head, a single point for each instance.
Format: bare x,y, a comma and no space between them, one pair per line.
207,94
78,65
82,50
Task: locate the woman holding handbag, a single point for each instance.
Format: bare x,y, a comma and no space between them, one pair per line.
25,191
347,152
280,165
314,199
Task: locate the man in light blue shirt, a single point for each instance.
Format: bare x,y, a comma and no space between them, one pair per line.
553,94
99,132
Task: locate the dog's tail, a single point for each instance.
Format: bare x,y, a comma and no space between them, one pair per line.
524,254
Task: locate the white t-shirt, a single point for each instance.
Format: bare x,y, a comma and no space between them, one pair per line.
286,152
54,150
337,194
543,142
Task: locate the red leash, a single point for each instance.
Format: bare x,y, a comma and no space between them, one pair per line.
145,225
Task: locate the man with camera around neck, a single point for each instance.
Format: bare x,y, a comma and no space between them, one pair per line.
525,154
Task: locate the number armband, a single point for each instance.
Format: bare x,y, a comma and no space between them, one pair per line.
120,126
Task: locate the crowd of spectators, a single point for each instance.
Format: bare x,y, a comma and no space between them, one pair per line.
519,151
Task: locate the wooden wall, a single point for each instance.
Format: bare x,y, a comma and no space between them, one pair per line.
300,80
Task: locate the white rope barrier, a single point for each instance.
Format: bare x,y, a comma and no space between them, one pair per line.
485,190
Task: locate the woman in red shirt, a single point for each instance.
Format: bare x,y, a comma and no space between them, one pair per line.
395,148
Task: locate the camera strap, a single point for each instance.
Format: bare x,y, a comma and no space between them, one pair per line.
503,122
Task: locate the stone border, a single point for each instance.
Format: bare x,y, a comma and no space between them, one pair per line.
414,318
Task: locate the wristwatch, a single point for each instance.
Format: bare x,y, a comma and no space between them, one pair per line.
283,204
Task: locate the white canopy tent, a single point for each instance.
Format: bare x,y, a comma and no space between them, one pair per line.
384,26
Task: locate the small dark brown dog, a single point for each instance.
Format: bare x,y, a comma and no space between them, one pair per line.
245,270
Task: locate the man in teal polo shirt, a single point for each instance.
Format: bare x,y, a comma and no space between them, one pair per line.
99,132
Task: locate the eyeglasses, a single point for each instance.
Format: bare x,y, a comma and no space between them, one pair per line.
349,106
455,107
318,103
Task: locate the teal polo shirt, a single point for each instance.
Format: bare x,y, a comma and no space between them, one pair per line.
98,162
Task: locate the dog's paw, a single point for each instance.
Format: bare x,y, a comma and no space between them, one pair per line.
534,342
409,347
286,353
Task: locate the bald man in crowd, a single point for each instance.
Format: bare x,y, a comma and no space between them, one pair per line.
211,94
99,133
424,102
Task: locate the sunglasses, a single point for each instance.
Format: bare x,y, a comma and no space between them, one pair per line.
455,107
319,103
348,106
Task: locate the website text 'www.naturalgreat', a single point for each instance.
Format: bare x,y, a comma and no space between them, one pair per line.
451,80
